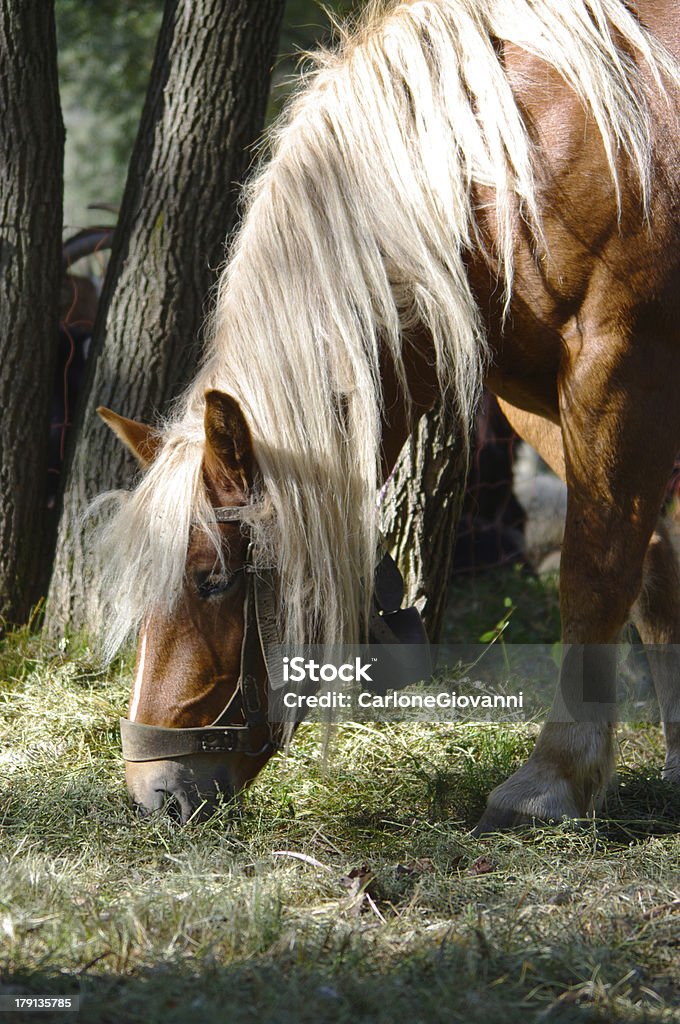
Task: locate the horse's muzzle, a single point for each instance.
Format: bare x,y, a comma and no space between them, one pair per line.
187,787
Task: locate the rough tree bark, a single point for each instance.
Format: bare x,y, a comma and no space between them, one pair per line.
204,109
32,147
420,509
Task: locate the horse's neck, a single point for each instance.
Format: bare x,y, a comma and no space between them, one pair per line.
661,18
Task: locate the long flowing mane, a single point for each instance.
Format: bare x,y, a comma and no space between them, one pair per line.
355,231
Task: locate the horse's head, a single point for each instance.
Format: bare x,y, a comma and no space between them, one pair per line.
197,724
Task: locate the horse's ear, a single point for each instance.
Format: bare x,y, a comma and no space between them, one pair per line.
228,444
144,442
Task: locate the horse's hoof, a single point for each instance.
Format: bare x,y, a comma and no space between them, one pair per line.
534,795
501,819
671,770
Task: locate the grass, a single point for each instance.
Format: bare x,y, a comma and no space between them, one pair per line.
396,910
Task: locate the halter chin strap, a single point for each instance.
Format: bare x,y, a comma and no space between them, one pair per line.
389,624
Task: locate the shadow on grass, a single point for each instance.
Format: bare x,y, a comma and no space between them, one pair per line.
639,807
446,981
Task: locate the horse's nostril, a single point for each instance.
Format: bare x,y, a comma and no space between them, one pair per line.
184,790
173,809
172,804
140,809
162,801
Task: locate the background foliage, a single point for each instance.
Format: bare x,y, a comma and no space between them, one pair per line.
106,50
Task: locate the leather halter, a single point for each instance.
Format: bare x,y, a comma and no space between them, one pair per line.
226,734
389,624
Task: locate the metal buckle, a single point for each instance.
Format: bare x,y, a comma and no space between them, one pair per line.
230,514
215,743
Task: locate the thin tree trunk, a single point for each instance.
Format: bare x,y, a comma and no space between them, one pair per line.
31,165
204,109
420,509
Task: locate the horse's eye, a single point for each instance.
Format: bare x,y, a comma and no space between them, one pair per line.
210,584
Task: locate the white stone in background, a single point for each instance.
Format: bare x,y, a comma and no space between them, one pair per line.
544,499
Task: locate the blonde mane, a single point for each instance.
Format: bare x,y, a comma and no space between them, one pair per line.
354,231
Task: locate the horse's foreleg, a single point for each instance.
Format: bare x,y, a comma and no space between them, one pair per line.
656,615
656,612
611,514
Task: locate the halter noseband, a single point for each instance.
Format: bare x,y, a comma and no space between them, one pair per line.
389,624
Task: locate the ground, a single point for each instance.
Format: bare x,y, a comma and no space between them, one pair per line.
346,887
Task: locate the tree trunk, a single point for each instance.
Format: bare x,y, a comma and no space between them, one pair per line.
420,509
204,109
32,148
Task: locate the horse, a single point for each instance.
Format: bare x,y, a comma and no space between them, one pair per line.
463,192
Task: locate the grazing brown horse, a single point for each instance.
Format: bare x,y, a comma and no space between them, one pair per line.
466,191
